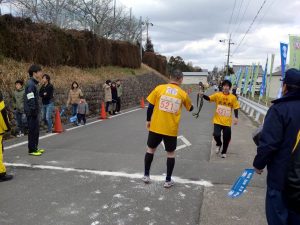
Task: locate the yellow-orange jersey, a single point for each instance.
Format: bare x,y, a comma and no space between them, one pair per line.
167,100
224,105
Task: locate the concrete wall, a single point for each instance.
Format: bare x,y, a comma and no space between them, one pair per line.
194,79
134,88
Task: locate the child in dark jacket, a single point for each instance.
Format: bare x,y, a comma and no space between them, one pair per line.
114,94
82,110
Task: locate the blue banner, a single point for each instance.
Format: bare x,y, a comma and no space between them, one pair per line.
283,54
241,184
264,81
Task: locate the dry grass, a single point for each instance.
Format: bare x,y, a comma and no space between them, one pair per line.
63,76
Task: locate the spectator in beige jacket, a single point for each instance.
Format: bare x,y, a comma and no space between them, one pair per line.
107,95
74,97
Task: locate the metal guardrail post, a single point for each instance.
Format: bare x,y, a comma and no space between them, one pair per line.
251,107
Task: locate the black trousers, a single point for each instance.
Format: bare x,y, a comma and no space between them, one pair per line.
118,106
81,117
218,129
33,133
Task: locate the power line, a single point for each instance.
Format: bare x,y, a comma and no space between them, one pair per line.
246,8
266,12
231,16
238,14
250,26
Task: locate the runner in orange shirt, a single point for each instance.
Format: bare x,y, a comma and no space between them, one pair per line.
225,103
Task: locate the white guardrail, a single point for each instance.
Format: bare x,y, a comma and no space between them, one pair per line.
253,109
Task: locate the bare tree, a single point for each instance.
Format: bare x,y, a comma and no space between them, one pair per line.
101,17
49,11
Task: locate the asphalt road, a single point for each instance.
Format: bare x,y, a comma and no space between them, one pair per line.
90,175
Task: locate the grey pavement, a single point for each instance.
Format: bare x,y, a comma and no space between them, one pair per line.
90,176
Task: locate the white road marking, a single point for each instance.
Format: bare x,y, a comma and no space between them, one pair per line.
111,174
69,129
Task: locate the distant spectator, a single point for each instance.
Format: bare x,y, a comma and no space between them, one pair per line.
46,93
215,87
18,103
4,126
220,87
82,110
234,89
74,97
114,94
120,93
107,95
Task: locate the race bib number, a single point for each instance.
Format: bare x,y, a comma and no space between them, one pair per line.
223,111
169,104
30,95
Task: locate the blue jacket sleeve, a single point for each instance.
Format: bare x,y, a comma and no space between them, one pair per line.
270,140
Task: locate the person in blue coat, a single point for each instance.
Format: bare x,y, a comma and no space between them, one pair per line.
279,151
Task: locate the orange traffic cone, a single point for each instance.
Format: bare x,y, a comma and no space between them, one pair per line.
102,112
142,103
57,125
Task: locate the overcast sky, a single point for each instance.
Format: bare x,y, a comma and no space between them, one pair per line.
192,28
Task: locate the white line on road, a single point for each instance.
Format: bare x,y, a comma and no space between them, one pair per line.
111,174
69,129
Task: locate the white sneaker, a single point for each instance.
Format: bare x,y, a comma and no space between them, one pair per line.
169,184
146,179
218,149
223,156
20,135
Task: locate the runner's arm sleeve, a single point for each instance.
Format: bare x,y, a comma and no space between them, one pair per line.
236,113
149,112
207,98
270,140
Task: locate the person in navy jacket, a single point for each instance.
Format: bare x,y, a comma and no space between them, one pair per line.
279,151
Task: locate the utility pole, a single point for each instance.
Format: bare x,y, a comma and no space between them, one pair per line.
147,25
228,53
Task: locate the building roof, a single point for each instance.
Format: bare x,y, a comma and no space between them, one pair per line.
201,74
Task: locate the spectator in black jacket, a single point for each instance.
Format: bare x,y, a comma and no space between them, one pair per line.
32,109
114,95
279,150
46,93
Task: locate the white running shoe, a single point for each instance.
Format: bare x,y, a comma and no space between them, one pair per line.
223,156
146,179
169,184
218,149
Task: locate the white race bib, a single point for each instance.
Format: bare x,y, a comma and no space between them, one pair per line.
169,104
223,110
30,95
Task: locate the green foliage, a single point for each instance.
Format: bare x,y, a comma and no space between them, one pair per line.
178,63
